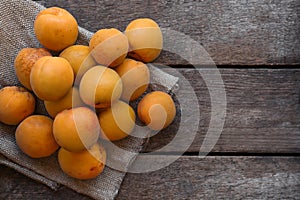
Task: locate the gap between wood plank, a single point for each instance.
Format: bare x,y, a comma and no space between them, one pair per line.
279,67
227,154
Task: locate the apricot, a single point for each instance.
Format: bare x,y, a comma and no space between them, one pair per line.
70,100
87,164
157,110
16,103
35,138
55,28
145,39
109,47
51,78
135,77
117,122
76,129
100,86
25,60
80,59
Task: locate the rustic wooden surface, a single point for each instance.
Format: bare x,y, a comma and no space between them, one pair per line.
187,178
218,178
263,111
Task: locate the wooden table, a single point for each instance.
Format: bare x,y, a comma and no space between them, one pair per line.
256,47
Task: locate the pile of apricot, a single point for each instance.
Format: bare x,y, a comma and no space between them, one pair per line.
86,91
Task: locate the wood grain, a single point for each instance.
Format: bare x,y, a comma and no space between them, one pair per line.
187,178
232,32
218,178
16,186
263,111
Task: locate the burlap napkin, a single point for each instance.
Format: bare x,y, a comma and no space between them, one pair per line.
16,32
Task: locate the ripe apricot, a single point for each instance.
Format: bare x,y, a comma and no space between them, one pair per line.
70,100
157,110
51,78
35,138
76,129
109,47
87,164
135,77
16,103
117,122
55,28
100,86
80,59
25,60
145,39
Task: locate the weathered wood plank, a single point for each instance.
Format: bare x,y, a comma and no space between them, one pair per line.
14,185
236,32
233,32
218,178
263,111
187,178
